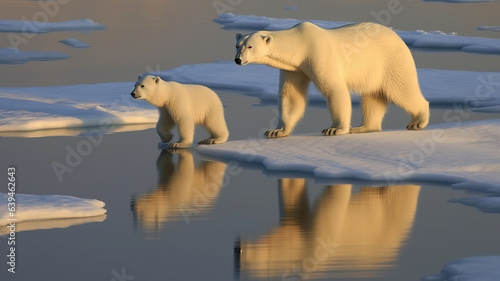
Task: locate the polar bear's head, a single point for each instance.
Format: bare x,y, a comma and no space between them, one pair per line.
145,86
252,48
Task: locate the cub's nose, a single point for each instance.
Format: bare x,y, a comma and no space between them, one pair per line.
237,61
132,94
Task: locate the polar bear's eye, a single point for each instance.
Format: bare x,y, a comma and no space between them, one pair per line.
142,86
249,47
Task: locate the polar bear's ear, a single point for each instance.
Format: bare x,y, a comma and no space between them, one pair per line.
267,39
239,36
139,77
157,79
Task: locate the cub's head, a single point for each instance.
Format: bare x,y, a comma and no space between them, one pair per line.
145,86
252,48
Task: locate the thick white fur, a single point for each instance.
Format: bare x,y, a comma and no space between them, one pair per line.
365,58
185,106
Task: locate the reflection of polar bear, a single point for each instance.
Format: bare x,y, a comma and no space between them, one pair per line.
184,106
183,190
365,58
355,233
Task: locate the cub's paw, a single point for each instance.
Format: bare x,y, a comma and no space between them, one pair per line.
278,133
334,132
207,141
178,145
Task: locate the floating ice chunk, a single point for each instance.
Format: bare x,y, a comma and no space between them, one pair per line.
484,268
15,56
19,26
48,207
490,28
420,40
75,43
292,8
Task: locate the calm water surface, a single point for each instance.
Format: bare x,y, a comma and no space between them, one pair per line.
180,216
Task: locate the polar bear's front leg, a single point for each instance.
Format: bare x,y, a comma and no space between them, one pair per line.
164,126
186,133
292,102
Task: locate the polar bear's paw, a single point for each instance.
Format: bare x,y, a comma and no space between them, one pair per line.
179,145
277,133
334,132
208,141
415,126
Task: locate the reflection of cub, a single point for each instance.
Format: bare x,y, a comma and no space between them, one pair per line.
184,106
356,233
182,190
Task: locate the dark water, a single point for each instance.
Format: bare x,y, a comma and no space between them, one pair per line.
180,216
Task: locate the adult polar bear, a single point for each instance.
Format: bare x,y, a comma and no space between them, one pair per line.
366,58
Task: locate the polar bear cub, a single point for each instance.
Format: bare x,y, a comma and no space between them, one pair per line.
185,106
365,58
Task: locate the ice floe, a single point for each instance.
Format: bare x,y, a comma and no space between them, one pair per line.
24,26
490,28
74,43
419,40
103,105
48,207
15,56
466,155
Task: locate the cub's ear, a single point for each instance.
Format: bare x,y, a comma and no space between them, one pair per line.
239,36
157,79
267,39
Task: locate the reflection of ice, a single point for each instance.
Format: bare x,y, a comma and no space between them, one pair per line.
47,209
52,223
484,268
415,39
355,235
184,191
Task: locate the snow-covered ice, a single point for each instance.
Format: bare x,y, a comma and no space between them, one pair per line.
48,207
482,268
419,40
466,155
24,26
74,43
36,108
103,105
15,56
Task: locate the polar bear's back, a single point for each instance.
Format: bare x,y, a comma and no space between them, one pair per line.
200,100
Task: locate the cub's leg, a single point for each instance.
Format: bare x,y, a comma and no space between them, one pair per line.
164,126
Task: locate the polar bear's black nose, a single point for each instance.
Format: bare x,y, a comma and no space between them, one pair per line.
237,61
132,94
